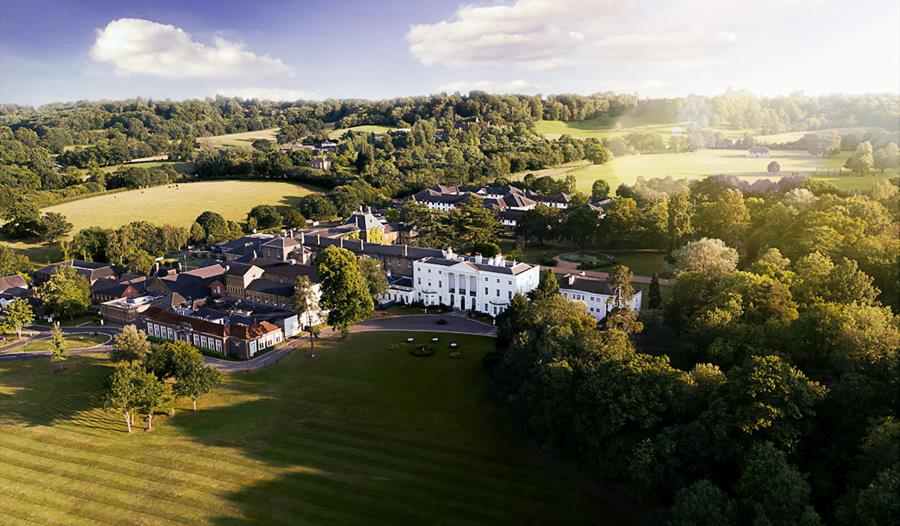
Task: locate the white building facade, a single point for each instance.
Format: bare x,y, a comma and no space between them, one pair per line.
484,285
594,293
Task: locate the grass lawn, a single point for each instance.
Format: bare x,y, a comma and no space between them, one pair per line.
366,128
73,341
641,262
239,140
39,253
697,165
178,204
360,435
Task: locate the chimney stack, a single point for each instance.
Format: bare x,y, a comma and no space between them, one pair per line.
341,241
302,237
479,258
405,251
570,279
361,245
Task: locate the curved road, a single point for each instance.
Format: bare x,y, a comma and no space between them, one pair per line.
456,323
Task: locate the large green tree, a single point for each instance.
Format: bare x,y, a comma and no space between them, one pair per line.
582,226
374,276
344,292
306,305
703,504
472,224
65,294
11,262
54,226
726,217
214,226
772,491
16,315
130,345
193,379
23,219
862,159
540,223
58,348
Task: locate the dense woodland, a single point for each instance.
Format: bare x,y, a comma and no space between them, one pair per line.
765,391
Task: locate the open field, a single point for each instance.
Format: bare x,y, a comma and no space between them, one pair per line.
366,128
700,164
175,205
602,129
240,140
360,435
782,138
178,204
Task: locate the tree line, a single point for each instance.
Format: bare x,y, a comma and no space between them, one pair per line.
774,403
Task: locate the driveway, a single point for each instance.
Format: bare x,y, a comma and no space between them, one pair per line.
427,323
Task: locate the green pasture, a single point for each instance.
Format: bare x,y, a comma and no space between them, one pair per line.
366,128
703,163
239,140
178,204
358,435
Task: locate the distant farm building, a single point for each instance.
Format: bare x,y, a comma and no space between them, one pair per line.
758,151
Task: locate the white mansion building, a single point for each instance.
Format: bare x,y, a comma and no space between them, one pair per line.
475,283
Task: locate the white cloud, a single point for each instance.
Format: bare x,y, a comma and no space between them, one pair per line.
513,86
531,33
142,47
677,49
262,93
543,34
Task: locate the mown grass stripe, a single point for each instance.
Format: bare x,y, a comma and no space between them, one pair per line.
335,490
350,435
164,472
12,512
170,492
441,481
439,477
337,486
102,491
409,451
57,506
361,435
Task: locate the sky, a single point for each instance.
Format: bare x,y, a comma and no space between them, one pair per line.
61,50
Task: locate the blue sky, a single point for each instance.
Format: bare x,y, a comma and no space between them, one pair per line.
54,50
